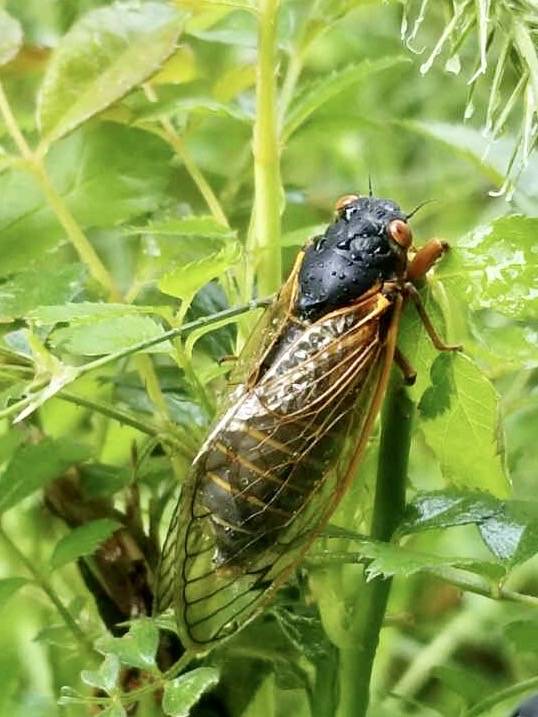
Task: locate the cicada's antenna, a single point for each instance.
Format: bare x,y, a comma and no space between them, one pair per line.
419,206
370,190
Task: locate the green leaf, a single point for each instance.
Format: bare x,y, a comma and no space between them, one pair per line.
115,710
389,560
512,533
494,267
323,89
137,648
32,466
299,237
189,106
108,336
447,508
9,586
523,634
185,691
84,312
509,528
460,423
185,280
106,677
19,295
10,37
107,53
106,174
198,226
83,540
491,158
458,680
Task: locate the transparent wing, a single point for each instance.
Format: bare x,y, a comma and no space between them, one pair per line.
272,471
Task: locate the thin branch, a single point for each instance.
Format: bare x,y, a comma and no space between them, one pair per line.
172,333
266,149
469,582
177,143
74,233
356,663
485,706
13,127
47,588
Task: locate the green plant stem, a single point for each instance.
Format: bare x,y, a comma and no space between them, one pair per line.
49,591
74,233
468,582
140,346
171,334
177,143
484,707
198,178
129,419
265,242
76,236
13,127
356,663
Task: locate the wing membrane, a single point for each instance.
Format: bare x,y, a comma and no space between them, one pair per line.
272,469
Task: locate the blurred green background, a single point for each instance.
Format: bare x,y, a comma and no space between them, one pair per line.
442,650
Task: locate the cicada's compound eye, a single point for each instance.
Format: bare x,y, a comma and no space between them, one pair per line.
400,232
345,201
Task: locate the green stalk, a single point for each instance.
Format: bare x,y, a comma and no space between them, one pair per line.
356,663
264,241
49,591
76,236
484,707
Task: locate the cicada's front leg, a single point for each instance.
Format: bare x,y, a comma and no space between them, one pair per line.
422,262
425,258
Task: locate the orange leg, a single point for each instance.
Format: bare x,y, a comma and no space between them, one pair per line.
425,258
412,293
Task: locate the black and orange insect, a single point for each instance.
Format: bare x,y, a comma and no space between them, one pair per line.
286,445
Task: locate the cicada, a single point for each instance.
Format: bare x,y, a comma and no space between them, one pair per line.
289,439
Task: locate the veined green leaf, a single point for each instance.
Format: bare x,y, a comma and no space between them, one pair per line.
321,90
84,312
137,648
83,540
108,335
389,560
200,226
508,527
105,54
10,37
461,425
32,466
106,174
9,586
496,267
184,281
189,106
106,677
25,291
184,692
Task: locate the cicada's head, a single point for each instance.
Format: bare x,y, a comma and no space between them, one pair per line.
366,244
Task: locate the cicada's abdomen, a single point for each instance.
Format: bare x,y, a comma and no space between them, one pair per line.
261,465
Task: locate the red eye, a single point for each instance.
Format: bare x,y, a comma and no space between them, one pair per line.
345,201
400,231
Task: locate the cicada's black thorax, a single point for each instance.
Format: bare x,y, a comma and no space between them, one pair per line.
355,252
